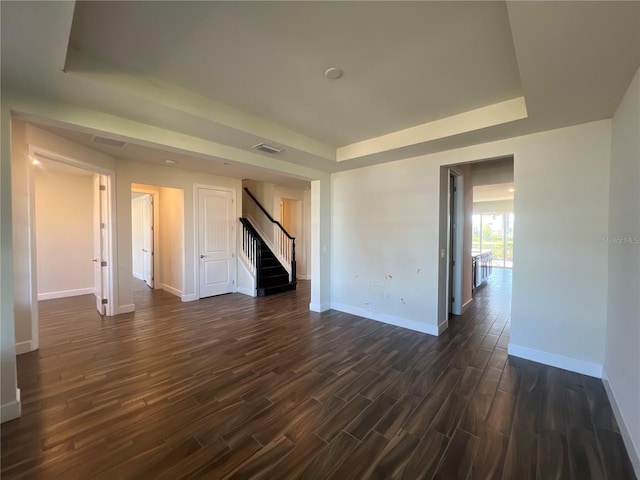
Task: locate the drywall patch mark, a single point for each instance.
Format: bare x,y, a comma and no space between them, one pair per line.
388,277
418,271
403,302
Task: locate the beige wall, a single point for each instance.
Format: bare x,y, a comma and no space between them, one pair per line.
64,233
171,239
137,235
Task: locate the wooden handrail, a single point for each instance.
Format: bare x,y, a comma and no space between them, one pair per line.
267,214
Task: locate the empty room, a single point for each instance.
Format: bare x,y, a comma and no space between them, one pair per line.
338,240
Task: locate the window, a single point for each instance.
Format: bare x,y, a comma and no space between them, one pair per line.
494,231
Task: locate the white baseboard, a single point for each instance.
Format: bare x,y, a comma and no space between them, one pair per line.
247,291
66,293
442,327
139,276
319,307
189,298
385,318
303,277
24,347
466,305
171,290
11,410
125,309
632,450
560,361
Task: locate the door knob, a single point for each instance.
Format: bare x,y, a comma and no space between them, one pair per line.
202,256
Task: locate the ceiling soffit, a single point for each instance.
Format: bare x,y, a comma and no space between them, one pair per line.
414,71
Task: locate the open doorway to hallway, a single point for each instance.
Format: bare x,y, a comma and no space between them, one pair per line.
477,229
73,231
157,238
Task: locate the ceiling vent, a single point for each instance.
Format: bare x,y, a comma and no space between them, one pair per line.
107,141
263,147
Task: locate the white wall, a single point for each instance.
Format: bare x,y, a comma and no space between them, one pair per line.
9,392
385,242
622,355
64,233
492,172
25,295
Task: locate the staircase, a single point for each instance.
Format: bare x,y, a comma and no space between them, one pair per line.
271,276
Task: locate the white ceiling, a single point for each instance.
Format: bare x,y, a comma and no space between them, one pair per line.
420,77
404,63
492,193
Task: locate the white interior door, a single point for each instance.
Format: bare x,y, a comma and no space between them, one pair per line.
147,239
216,220
100,241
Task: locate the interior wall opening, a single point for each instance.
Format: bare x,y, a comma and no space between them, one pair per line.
157,238
477,230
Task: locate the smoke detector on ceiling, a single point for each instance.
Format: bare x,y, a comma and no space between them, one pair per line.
263,147
107,141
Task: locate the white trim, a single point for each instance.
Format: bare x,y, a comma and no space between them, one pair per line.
385,318
24,347
189,297
560,361
125,309
247,291
303,277
632,450
466,305
441,328
66,293
11,410
319,307
171,290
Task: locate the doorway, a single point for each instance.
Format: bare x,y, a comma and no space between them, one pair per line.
53,188
455,232
142,236
464,264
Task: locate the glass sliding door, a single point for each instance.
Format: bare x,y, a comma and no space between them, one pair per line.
494,231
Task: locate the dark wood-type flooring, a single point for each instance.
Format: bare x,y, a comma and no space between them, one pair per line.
239,387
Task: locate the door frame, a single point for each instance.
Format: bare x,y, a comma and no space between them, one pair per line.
155,196
109,288
455,272
196,237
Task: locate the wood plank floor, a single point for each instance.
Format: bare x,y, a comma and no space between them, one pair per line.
237,387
